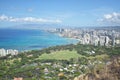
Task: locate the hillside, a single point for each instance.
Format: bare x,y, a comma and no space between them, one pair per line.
60,63
109,71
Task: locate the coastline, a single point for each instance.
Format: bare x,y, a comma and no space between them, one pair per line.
68,37
31,40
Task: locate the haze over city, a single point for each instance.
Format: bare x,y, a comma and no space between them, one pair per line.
61,12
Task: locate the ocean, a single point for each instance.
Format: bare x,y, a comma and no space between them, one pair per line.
30,39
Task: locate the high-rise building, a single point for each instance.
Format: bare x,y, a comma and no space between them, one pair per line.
94,40
102,40
86,38
4,52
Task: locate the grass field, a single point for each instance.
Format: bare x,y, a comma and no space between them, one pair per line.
67,55
61,55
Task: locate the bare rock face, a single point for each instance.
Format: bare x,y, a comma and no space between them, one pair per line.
81,77
107,72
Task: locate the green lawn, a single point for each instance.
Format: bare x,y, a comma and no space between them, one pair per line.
61,55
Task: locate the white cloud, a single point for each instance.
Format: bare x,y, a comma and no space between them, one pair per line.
107,16
113,18
3,17
28,19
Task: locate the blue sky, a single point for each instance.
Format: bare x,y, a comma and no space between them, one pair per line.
65,12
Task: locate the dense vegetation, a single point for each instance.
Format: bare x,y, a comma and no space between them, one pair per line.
57,63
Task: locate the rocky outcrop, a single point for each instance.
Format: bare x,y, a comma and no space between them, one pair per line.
109,71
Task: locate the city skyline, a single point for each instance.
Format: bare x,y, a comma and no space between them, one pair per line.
61,12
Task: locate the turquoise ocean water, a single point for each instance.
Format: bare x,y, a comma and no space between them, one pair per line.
30,39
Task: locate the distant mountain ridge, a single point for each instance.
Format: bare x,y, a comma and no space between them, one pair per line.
37,26
52,26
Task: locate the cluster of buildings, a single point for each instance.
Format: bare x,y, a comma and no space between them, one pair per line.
103,37
4,52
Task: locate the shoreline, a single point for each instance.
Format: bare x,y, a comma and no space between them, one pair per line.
68,37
